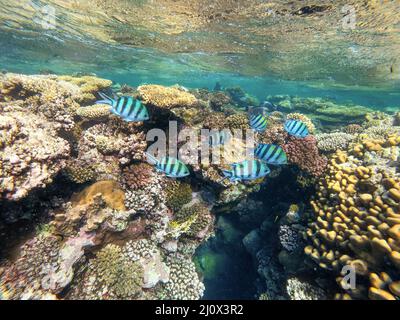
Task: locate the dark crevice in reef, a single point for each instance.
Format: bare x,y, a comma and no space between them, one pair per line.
19,220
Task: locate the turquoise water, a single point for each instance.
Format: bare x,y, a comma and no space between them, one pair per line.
279,51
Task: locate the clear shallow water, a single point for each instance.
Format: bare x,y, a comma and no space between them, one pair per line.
290,50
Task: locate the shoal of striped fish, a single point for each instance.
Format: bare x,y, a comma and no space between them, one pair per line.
296,128
172,167
271,154
247,170
126,107
218,138
258,123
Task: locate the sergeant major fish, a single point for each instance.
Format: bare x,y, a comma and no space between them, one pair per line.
172,167
296,128
258,123
247,170
126,107
271,154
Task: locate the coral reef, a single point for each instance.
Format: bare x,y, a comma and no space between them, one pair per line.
356,218
166,97
301,290
137,176
324,111
330,142
184,283
305,154
94,112
303,118
31,152
177,194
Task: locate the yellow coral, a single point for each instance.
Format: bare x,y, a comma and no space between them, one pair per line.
166,97
94,112
357,223
112,194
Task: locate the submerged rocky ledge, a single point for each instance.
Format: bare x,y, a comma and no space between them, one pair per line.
84,216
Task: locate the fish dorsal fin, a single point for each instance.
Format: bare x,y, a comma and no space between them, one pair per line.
106,99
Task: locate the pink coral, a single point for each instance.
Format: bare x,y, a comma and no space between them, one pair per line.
305,153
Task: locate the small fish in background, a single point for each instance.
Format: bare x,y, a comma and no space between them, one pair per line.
269,106
247,170
296,128
258,123
173,168
218,138
271,154
255,111
126,107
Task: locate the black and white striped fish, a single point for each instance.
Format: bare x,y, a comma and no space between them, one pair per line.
247,170
258,123
296,128
126,107
271,154
172,167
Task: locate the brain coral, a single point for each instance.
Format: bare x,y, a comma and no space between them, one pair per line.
357,222
166,97
31,153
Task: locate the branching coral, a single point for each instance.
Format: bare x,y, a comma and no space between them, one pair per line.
94,112
178,194
184,283
111,275
305,154
357,223
238,121
166,97
108,147
31,153
330,142
137,176
193,220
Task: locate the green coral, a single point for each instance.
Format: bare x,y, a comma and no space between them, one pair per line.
190,221
178,194
114,271
80,173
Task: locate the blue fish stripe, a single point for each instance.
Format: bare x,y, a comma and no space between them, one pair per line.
258,122
120,103
296,128
137,108
128,107
248,170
